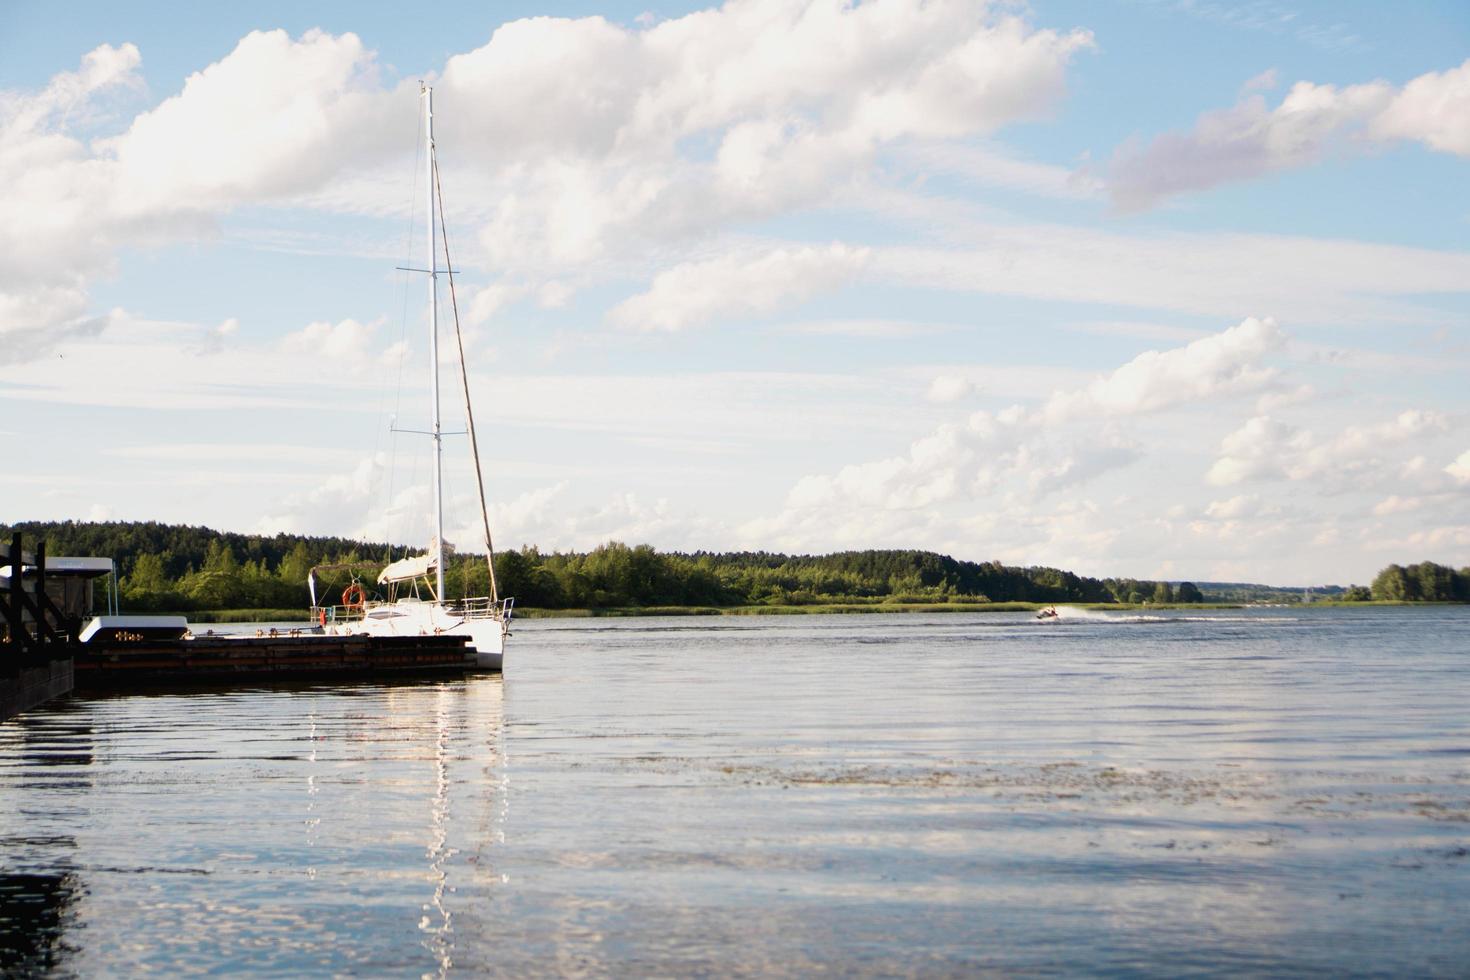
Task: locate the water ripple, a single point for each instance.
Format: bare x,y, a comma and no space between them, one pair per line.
1280,792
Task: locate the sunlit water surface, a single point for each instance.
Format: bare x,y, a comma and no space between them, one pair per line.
1267,792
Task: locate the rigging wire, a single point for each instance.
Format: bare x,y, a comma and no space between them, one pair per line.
465,380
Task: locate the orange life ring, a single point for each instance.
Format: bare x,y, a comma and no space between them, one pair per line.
354,596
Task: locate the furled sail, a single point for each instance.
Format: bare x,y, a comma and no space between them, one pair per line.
408,569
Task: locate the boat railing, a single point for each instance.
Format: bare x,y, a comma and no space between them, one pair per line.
322,615
483,607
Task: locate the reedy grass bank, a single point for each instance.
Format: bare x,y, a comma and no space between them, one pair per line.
858,609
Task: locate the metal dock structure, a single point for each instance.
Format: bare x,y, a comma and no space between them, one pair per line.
36,636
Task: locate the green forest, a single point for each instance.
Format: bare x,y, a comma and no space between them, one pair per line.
1424,582
181,568
165,567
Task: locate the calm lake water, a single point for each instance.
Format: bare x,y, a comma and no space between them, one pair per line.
1264,792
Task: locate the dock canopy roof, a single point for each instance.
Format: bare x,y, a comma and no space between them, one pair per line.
80,567
60,567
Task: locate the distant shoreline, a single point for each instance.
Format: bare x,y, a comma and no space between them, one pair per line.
623,612
229,577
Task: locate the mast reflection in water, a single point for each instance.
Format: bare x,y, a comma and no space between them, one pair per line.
306,830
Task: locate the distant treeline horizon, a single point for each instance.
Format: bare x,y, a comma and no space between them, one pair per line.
185,568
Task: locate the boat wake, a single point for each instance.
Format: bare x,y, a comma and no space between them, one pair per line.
1074,615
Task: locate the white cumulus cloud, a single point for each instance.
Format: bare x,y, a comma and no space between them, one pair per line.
1253,139
1267,449
1459,470
948,388
694,292
346,344
1070,440
607,135
571,143
1223,363
273,117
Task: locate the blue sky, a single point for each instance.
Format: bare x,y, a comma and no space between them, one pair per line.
1154,288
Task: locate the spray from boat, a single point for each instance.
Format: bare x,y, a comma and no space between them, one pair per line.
1078,615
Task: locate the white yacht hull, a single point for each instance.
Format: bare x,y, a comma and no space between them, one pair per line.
487,634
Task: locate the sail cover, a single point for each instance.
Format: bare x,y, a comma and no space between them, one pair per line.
407,569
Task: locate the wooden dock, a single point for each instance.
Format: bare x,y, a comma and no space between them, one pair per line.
45,651
263,660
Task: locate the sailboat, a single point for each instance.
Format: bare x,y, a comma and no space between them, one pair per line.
414,601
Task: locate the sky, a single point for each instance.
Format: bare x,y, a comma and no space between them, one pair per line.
1158,288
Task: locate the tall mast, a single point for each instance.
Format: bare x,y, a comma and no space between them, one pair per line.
434,427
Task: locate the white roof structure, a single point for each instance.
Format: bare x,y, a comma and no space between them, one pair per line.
80,567
152,627
63,567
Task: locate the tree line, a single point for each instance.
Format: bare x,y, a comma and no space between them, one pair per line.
174,567
182,568
615,574
1424,582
